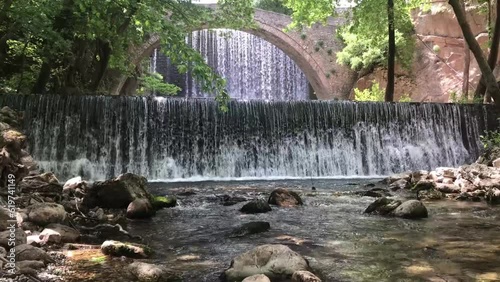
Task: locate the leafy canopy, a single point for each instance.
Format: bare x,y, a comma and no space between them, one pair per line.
77,46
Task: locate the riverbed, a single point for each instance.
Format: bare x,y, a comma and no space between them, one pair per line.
459,241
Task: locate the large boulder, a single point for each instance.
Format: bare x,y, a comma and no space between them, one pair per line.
304,276
493,196
399,184
58,233
131,250
249,228
117,193
146,272
257,278
45,213
19,237
256,206
411,209
45,184
396,177
140,208
382,206
284,198
4,217
274,261
28,252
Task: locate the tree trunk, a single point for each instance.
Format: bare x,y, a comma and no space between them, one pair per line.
465,85
492,57
389,90
491,84
3,12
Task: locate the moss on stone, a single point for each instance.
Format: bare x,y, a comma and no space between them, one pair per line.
160,202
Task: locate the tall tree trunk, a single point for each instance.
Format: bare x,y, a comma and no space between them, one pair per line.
491,84
492,57
465,84
389,90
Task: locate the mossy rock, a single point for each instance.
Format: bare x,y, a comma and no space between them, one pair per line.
131,250
160,202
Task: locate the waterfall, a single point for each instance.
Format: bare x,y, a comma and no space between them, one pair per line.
252,67
99,137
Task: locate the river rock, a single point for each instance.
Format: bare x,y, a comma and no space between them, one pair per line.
448,172
249,228
74,183
418,175
496,163
493,196
228,200
424,185
46,213
411,209
140,208
117,193
304,276
146,272
4,217
257,278
28,252
131,250
399,184
58,233
284,198
19,237
274,261
447,188
396,177
13,139
382,206
256,206
33,264
160,202
44,184
375,192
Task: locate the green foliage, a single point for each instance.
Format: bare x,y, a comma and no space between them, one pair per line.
374,93
321,44
308,12
85,47
276,6
491,139
330,52
316,48
327,75
405,98
366,38
153,83
303,36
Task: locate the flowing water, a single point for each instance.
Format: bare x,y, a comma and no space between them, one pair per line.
253,68
458,242
165,139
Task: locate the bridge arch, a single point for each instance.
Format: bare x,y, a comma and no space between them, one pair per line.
328,79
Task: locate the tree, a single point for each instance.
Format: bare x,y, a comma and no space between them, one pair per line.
492,87
370,40
389,90
78,47
493,55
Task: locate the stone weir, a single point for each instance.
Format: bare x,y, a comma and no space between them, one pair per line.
99,137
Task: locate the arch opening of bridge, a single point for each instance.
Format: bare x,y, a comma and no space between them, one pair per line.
327,79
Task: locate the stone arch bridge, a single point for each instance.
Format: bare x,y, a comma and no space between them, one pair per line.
313,50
